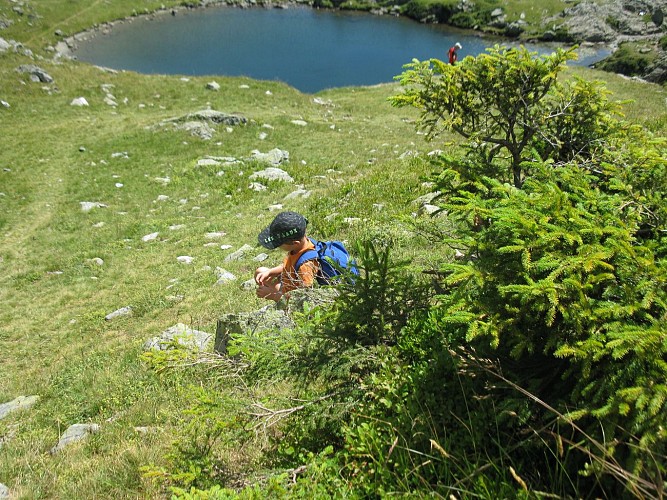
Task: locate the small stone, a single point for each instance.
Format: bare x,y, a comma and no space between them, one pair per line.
256,186
150,237
185,259
223,276
249,284
123,311
79,101
215,235
87,206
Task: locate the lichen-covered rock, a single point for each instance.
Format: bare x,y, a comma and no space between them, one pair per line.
179,335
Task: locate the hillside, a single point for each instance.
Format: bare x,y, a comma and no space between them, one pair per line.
137,198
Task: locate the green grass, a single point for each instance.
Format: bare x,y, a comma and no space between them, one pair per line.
54,340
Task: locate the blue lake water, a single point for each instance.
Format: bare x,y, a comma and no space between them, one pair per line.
307,48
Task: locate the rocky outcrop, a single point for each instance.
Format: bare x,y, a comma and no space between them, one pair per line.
657,73
615,22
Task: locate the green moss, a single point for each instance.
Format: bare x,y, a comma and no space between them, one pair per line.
628,60
440,11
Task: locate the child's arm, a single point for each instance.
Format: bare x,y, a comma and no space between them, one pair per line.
264,275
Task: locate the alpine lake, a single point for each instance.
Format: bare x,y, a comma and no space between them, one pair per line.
307,48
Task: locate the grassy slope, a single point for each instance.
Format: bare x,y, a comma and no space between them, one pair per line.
53,339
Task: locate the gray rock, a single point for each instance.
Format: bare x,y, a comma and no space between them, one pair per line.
74,433
256,186
213,86
4,45
119,313
299,193
36,73
79,101
224,276
261,257
218,117
428,209
214,235
150,237
208,162
87,206
274,157
271,174
179,336
4,492
198,129
239,254
19,403
248,284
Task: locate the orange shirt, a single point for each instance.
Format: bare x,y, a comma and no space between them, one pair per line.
305,277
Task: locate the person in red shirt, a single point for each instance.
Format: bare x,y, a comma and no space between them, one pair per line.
453,56
287,232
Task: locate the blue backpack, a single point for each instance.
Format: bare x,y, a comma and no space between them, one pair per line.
333,258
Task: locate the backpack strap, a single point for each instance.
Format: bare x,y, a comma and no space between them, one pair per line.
307,255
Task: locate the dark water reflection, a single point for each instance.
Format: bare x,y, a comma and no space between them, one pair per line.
307,48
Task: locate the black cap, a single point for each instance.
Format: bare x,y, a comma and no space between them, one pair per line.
287,226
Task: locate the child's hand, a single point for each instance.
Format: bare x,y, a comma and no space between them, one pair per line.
262,275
